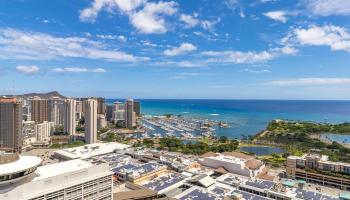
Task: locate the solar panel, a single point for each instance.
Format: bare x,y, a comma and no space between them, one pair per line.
308,195
163,182
199,195
261,184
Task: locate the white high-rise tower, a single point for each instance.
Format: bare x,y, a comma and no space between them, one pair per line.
90,106
69,116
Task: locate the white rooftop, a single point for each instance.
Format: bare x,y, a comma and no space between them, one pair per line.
23,163
52,170
90,150
230,159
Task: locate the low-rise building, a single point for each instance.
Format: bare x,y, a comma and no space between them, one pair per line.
233,162
89,150
138,173
165,183
75,179
318,169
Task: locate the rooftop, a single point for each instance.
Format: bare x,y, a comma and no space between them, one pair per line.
52,170
137,169
91,150
197,194
164,182
7,100
260,184
23,163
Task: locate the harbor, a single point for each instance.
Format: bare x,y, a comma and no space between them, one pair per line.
177,126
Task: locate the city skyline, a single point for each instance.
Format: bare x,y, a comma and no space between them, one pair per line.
261,49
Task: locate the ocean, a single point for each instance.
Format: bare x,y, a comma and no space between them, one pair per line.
248,117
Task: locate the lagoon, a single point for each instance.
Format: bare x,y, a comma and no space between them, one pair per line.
262,150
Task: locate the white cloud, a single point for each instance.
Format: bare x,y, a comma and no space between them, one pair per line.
151,18
267,1
32,69
78,70
15,44
183,48
287,50
148,43
107,37
183,75
99,70
278,15
337,38
146,17
122,38
310,82
248,57
232,4
209,25
189,20
328,7
256,71
90,14
238,57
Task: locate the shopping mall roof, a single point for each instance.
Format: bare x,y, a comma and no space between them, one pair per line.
21,164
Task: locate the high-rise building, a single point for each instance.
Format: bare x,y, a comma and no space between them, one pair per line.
137,108
10,125
118,112
130,116
109,112
79,107
90,114
69,116
101,106
43,131
26,110
101,121
56,110
39,110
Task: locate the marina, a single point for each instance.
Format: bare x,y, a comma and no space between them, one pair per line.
178,126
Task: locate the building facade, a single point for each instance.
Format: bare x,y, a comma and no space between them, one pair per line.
43,131
101,106
101,121
130,115
39,110
69,116
75,179
137,108
90,107
118,111
318,169
56,110
10,125
233,162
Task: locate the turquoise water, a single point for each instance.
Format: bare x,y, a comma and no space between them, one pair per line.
262,151
248,117
340,138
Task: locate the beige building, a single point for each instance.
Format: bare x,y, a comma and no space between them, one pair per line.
10,125
101,106
101,121
69,116
233,162
318,169
39,110
43,131
130,115
56,110
90,108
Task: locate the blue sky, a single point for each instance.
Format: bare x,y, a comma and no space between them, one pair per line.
227,49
